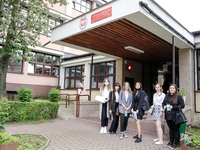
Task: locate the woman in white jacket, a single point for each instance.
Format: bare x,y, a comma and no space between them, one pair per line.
104,91
158,98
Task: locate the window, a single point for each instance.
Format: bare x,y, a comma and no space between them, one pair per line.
74,76
198,69
82,5
15,64
100,72
43,64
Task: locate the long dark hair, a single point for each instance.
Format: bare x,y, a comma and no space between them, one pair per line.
174,99
141,87
117,84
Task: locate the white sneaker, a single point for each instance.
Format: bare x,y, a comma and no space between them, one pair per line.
125,134
155,140
102,130
159,143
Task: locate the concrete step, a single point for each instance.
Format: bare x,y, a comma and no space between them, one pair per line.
94,115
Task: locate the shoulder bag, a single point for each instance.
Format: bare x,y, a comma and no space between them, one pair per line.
145,105
180,117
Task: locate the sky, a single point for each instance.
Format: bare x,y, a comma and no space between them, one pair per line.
186,12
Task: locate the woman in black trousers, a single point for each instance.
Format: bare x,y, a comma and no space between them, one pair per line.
113,106
172,103
138,99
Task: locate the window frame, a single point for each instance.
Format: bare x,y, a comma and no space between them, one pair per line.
75,2
74,77
105,73
35,63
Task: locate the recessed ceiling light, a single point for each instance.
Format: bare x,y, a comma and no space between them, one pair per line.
133,49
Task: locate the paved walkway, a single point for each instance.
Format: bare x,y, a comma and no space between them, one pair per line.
83,134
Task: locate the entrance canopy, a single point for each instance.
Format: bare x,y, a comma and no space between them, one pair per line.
109,29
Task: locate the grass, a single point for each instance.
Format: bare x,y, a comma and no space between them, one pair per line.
30,142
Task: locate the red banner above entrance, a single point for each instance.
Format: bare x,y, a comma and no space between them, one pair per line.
101,15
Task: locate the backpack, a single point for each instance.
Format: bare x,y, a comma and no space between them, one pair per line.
145,104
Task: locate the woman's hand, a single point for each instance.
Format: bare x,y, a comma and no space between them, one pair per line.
171,107
132,110
106,100
165,107
110,111
137,111
161,114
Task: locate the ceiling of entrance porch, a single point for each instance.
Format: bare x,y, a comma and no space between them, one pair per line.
113,37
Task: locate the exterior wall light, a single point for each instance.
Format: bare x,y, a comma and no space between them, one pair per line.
133,49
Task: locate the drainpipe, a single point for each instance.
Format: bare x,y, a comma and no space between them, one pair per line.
194,81
173,60
91,75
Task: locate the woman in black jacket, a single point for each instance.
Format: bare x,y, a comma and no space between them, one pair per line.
171,104
113,106
138,99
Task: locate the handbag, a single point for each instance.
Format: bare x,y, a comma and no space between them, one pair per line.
145,105
180,117
117,111
151,110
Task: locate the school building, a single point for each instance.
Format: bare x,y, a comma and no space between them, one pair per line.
122,40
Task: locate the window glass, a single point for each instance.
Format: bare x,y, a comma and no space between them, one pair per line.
94,82
82,81
40,57
10,65
32,56
39,69
72,74
18,66
94,69
109,68
55,71
31,67
48,59
66,72
198,58
83,9
56,60
83,2
47,70
89,4
78,71
71,83
83,70
100,81
66,83
78,81
78,1
111,80
78,7
101,68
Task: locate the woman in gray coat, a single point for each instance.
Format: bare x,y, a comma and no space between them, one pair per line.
125,102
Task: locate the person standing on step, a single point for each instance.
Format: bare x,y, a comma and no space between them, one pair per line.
125,102
171,104
138,98
113,108
158,98
104,92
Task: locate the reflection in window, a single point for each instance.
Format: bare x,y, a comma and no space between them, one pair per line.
94,82
15,63
66,83
101,69
48,59
56,60
100,81
94,69
71,83
109,68
47,70
40,58
72,72
39,69
55,71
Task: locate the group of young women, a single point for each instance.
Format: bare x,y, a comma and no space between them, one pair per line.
124,102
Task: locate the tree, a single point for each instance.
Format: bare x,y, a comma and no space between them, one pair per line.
21,23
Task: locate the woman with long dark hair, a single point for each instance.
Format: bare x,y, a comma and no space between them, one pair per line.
125,102
171,104
138,98
113,106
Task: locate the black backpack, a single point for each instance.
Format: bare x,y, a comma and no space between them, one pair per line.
145,104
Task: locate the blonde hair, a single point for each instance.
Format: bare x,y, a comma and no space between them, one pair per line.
129,88
160,88
103,85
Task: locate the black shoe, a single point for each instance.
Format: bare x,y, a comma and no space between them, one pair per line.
135,137
138,140
169,144
173,146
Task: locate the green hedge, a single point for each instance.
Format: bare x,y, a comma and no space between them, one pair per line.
33,111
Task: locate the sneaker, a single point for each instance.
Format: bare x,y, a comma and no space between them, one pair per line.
101,131
109,133
159,143
173,146
169,144
135,137
155,140
104,130
121,137
115,133
124,134
138,140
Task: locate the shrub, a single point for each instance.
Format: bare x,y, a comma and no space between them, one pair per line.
25,94
31,111
185,139
7,138
53,94
4,107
